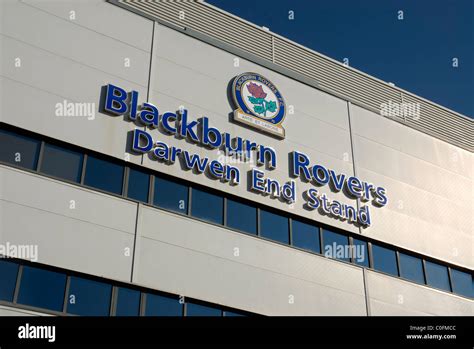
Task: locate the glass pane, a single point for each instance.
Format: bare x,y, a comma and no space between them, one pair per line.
274,227
171,195
305,236
462,283
138,185
194,309
384,260
8,274
157,305
437,276
411,268
231,314
336,245
241,216
128,302
62,163
104,175
88,297
207,206
360,252
42,288
19,150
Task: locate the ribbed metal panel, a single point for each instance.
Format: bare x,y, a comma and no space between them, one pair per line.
334,76
328,74
207,20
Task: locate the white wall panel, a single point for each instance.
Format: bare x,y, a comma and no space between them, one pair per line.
62,60
90,238
429,187
197,260
11,311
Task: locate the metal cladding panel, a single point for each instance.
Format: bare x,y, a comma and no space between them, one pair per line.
390,296
214,24
64,61
97,16
89,237
11,311
197,259
430,196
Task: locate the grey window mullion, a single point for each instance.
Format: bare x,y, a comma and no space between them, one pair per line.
17,284
258,221
351,249
450,278
126,171
290,231
321,240
399,269
66,294
425,276
113,300
142,303
190,199
40,156
224,219
371,255
151,190
84,164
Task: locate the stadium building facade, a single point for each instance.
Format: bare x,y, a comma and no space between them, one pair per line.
169,158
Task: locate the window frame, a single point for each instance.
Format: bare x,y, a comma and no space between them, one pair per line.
226,211
422,267
206,190
450,283
39,167
24,134
187,211
397,264
151,182
104,158
277,213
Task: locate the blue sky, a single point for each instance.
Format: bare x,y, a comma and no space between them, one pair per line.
415,53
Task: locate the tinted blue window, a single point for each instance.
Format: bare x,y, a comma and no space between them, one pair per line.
231,314
138,185
335,245
274,226
194,309
305,236
62,163
241,216
104,175
157,305
42,288
411,268
385,260
171,195
360,253
88,297
437,276
128,302
207,206
462,283
8,274
19,150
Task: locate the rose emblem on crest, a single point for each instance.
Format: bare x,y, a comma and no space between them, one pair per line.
260,105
